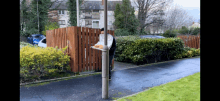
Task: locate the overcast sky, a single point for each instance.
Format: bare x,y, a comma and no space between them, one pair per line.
191,6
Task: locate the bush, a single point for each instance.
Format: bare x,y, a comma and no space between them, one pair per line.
188,52
36,62
123,32
140,51
121,44
170,33
184,30
50,26
196,31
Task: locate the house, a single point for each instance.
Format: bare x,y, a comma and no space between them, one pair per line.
91,13
195,24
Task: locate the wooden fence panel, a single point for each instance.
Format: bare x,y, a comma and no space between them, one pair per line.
100,53
76,50
97,51
87,49
83,47
80,48
90,50
94,51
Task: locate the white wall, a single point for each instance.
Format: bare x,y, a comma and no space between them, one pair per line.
110,18
64,17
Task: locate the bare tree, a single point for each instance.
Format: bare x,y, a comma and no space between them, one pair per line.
147,10
176,18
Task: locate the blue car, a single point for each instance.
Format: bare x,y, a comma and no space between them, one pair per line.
35,38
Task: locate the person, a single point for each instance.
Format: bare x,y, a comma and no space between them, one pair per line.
111,52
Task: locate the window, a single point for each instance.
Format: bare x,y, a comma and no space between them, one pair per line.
95,24
61,22
88,22
110,23
67,12
44,41
61,12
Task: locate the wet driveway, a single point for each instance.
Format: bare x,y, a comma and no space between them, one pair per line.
124,82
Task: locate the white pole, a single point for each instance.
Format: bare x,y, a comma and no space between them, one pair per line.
77,10
105,59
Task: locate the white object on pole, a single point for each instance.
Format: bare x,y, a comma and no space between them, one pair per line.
101,41
77,11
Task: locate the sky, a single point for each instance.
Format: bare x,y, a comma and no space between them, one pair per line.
191,6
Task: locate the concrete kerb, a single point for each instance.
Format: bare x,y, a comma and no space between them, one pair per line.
90,73
41,81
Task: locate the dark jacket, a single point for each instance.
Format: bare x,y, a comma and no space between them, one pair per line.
113,47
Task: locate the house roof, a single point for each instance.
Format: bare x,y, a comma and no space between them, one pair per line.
196,25
87,5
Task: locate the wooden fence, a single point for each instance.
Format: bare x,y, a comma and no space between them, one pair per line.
191,41
78,40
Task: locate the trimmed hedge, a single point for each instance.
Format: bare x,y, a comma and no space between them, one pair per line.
37,62
140,51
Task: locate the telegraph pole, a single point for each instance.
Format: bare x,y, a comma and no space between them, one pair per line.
77,10
105,59
38,18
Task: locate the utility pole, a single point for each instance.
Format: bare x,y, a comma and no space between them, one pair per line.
77,10
105,57
38,18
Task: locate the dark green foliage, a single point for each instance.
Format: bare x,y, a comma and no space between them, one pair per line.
122,32
125,18
191,31
141,51
196,31
72,11
32,24
170,33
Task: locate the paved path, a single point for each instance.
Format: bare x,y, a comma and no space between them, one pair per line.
124,82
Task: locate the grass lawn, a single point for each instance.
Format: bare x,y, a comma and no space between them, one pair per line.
184,89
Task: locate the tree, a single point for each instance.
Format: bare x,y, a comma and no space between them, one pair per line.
72,11
177,17
43,8
147,10
125,18
23,16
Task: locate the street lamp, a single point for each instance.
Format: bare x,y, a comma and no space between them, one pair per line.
77,11
105,57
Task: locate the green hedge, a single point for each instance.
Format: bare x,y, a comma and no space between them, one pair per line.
140,51
37,62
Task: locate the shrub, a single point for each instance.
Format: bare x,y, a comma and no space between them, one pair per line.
50,26
121,44
123,32
142,50
37,62
188,52
196,31
184,30
170,33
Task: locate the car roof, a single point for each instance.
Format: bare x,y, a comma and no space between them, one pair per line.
37,34
151,36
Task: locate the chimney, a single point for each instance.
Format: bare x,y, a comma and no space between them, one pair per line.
102,2
193,22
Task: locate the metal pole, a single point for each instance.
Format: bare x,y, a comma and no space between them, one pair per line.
77,10
38,18
105,62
